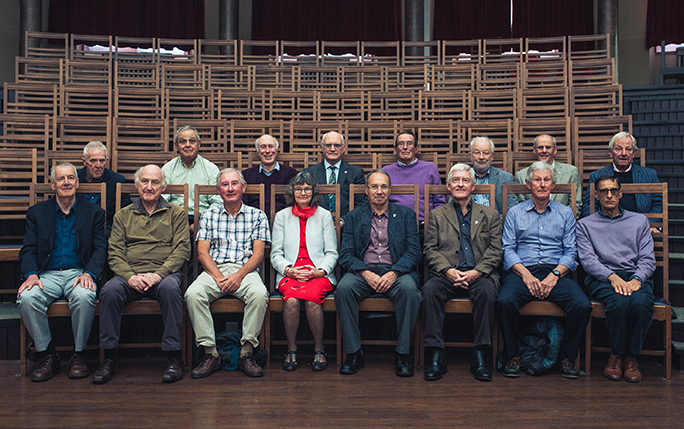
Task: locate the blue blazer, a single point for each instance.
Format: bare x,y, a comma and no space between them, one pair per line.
91,244
646,203
347,175
404,243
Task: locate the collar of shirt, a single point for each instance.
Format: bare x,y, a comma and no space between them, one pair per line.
73,207
328,165
457,206
626,171
242,210
180,161
275,168
622,213
412,163
379,215
484,176
531,207
138,205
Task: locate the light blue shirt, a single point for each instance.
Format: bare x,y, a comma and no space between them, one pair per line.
532,238
482,198
275,168
327,170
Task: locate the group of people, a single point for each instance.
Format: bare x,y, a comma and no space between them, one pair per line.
465,243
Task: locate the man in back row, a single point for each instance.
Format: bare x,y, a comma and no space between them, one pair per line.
482,154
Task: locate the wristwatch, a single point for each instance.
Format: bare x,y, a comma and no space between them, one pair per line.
556,273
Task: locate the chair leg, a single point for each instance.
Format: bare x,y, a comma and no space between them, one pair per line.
667,339
267,332
338,341
23,341
418,341
587,349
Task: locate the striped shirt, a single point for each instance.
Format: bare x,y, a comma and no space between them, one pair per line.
231,236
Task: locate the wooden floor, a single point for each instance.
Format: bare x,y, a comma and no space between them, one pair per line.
136,398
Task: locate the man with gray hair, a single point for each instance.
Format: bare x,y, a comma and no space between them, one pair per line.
540,252
191,168
149,244
335,171
231,241
463,251
622,148
482,154
64,253
94,171
269,172
545,148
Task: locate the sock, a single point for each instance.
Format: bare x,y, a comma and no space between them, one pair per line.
111,354
51,348
246,348
176,354
211,351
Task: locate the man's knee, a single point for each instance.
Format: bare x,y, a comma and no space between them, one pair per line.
82,297
170,287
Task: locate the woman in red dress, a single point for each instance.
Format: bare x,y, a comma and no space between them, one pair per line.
304,255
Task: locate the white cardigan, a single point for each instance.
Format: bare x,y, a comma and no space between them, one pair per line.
321,242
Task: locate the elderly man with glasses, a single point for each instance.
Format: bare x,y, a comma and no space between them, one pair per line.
482,154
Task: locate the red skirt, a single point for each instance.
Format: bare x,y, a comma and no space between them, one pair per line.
314,290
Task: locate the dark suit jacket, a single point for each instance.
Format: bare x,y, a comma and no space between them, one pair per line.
347,175
111,179
443,239
404,243
646,203
91,244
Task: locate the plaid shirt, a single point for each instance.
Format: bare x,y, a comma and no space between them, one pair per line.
231,237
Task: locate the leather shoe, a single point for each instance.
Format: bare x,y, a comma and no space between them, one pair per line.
207,366
632,373
175,370
402,366
49,366
512,368
436,367
478,367
353,363
568,369
248,364
78,367
614,368
105,372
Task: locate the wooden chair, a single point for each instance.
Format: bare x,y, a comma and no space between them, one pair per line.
545,49
275,301
526,130
493,104
593,72
127,162
544,74
500,131
240,104
376,302
595,133
91,48
541,307
412,78
46,45
213,134
589,47
421,53
31,98
305,136
590,160
380,53
139,102
498,75
148,305
371,136
140,135
40,192
143,51
24,131
71,132
502,50
272,77
243,134
288,105
334,106
461,305
391,105
340,54
18,169
183,76
189,103
366,78
177,51
319,78
136,74
461,51
225,160
229,77
436,105
88,72
453,77
662,307
38,70
296,53
259,52
217,52
227,303
543,103
85,101
595,101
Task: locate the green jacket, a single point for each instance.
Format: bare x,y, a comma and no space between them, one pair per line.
142,243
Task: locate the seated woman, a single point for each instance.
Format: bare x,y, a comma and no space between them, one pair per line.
304,254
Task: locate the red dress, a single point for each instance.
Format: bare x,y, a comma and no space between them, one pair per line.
312,290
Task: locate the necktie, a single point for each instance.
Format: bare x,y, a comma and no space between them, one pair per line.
331,181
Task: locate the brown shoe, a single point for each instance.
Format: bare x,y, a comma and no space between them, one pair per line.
105,372
175,370
632,373
78,367
248,365
207,366
614,368
48,367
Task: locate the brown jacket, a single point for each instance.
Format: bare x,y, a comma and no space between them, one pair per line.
443,240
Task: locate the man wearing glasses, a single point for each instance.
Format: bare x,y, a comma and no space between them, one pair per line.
335,171
409,170
482,154
622,146
545,148
189,167
616,251
94,171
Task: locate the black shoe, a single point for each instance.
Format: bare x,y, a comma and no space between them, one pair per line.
512,368
402,366
105,372
478,367
568,369
353,363
436,366
175,370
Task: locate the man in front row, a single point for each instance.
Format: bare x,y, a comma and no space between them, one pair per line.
230,246
150,241
463,251
380,251
616,250
539,253
64,252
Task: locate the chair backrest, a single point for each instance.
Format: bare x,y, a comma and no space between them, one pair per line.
225,160
42,191
127,162
500,160
560,188
520,160
355,189
18,169
661,239
211,190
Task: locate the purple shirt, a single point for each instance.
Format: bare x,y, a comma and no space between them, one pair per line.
378,252
421,173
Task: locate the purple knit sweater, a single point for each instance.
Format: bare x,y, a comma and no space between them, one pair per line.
421,173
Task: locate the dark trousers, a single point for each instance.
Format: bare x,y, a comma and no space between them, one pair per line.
627,317
482,292
352,289
116,293
566,294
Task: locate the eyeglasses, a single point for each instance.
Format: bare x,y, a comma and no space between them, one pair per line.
483,153
303,190
184,141
333,145
604,192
